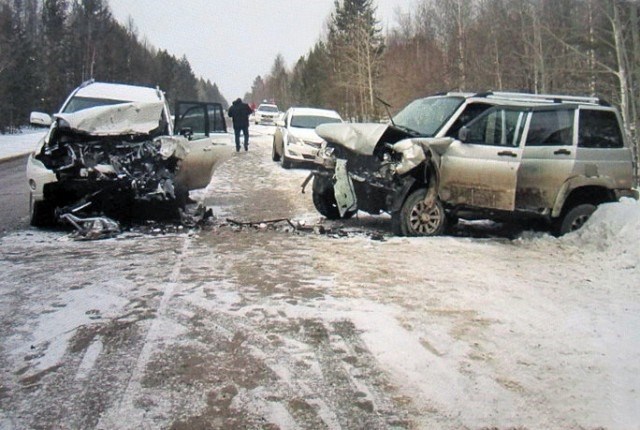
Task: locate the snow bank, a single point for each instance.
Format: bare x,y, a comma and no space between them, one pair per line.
614,227
13,145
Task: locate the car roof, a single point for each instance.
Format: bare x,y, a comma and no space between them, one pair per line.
498,97
267,104
133,93
315,112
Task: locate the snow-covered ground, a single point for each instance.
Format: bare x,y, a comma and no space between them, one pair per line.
13,145
233,327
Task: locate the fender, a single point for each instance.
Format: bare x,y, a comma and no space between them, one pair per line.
430,177
575,183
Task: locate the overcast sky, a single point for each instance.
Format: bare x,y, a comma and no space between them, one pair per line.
231,42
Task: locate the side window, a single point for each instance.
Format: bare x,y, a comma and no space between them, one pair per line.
191,116
551,128
216,119
499,127
199,119
470,112
599,129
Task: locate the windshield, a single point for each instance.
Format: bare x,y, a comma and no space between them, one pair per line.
428,115
80,103
307,121
264,108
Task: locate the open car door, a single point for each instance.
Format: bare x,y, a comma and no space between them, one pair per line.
209,144
481,168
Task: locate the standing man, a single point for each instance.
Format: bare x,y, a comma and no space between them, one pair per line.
239,112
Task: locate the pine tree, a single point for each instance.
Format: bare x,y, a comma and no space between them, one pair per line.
355,46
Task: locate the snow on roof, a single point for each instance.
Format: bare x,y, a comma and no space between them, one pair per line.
315,112
133,93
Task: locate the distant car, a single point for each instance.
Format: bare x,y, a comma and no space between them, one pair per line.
112,147
295,139
266,114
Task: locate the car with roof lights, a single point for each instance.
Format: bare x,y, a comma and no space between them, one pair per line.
266,114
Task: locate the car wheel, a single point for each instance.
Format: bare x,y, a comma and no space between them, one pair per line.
41,214
415,218
324,199
575,218
274,154
286,162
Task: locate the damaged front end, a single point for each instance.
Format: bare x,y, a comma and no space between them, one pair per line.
110,161
372,167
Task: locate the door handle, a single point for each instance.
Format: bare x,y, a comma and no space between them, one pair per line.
207,149
562,152
507,154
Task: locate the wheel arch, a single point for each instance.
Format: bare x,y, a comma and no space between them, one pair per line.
426,176
570,197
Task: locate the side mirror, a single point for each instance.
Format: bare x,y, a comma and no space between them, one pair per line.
186,132
40,119
280,123
463,134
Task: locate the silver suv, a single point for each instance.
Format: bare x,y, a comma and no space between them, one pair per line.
493,155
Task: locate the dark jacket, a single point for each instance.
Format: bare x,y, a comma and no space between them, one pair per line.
240,112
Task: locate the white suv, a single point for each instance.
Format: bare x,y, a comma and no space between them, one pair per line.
494,155
112,148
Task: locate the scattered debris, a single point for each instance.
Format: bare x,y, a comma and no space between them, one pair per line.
302,227
93,228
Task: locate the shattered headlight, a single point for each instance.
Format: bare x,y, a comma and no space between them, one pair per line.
326,152
325,157
293,140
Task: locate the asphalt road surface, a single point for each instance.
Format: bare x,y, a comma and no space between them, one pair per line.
14,209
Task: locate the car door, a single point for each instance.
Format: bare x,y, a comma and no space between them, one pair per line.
209,144
548,157
481,168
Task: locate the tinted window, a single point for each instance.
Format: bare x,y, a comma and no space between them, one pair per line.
498,126
267,108
191,116
470,112
551,128
216,119
599,129
308,121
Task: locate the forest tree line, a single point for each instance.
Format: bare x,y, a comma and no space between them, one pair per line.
575,47
49,47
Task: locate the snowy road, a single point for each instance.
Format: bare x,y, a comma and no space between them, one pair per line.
271,328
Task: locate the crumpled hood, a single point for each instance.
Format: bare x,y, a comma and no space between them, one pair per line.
359,138
115,120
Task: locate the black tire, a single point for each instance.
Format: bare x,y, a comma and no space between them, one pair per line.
182,196
41,214
286,163
575,218
274,154
416,219
324,199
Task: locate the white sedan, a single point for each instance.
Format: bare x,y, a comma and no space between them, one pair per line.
295,139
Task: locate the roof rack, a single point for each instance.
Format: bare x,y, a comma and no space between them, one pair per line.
549,98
